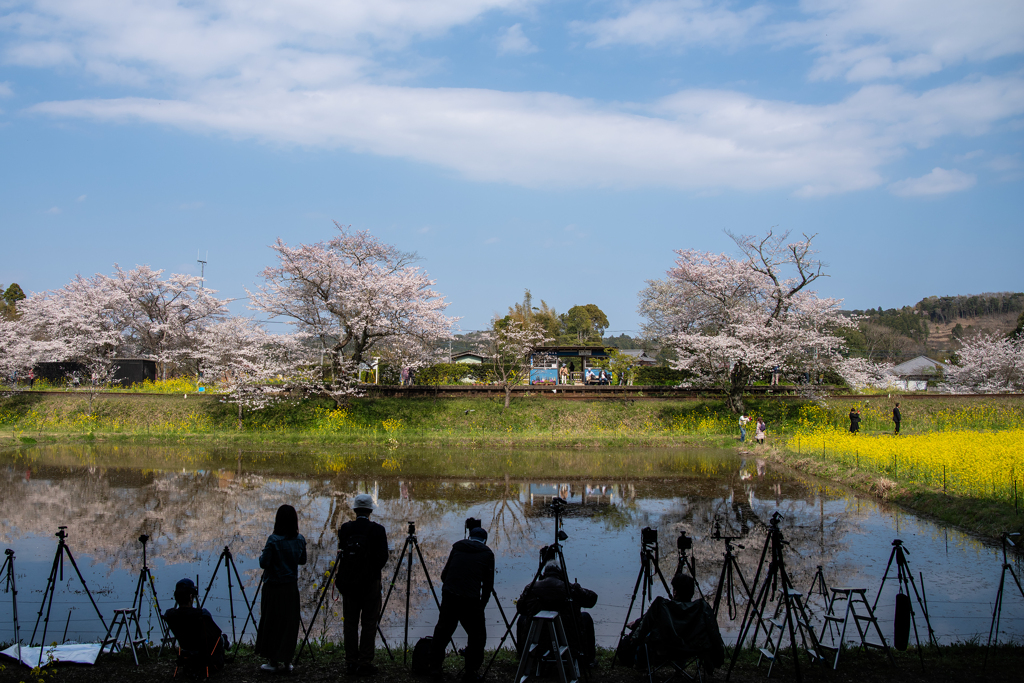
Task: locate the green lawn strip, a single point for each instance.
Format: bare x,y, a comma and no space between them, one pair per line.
467,421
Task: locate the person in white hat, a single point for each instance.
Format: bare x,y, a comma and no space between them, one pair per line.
363,548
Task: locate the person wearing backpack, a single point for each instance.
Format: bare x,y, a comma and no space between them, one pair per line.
362,554
467,583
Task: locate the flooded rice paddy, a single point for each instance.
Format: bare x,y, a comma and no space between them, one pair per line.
194,502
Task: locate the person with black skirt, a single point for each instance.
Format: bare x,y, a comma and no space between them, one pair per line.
279,620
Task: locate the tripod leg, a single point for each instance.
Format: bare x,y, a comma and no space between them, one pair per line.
394,578
629,610
253,618
508,632
156,602
753,605
319,604
884,577
86,588
50,583
213,577
245,598
430,584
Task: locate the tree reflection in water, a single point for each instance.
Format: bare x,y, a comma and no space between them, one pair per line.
193,503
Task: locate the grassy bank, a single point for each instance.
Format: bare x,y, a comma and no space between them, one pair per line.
959,662
473,422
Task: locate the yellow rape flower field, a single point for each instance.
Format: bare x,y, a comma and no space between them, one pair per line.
978,464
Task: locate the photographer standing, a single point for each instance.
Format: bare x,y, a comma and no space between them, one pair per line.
467,583
363,552
551,592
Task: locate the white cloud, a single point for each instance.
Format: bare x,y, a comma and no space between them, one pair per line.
514,42
491,240
5,89
695,139
864,40
939,181
81,198
53,210
1005,162
675,22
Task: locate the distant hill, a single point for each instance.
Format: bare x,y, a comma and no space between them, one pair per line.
934,325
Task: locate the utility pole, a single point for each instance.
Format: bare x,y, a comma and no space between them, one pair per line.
202,268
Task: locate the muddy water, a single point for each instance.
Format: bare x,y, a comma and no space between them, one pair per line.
195,502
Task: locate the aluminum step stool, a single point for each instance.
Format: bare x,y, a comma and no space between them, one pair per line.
125,619
802,629
852,596
546,643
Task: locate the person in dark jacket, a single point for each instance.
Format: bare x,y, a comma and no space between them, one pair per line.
896,417
279,620
467,583
199,638
551,592
854,420
364,547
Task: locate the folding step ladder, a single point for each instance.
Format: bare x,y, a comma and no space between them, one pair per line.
790,607
125,619
547,644
852,597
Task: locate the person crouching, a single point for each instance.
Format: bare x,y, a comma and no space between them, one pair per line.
201,644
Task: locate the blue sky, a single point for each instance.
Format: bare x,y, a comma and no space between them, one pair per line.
564,147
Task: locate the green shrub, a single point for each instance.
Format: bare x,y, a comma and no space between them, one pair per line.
660,376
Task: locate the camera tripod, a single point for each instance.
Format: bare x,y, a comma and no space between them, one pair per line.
795,621
649,567
10,587
726,581
997,610
411,543
905,579
229,565
51,588
146,577
548,553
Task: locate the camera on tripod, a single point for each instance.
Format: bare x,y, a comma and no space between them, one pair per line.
472,523
684,542
412,528
8,552
143,539
649,536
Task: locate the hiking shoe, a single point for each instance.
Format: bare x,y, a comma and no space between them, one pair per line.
268,668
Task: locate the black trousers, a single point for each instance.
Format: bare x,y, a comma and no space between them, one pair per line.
279,622
457,610
897,426
361,609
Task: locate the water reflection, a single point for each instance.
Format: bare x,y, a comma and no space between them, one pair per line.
193,502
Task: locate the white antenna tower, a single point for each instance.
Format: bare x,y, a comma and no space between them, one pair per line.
202,269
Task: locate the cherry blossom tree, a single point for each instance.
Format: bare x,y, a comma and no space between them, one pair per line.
988,364
244,361
78,322
730,319
162,318
353,293
861,373
509,347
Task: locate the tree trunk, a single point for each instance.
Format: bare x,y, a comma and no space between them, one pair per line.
738,378
508,394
